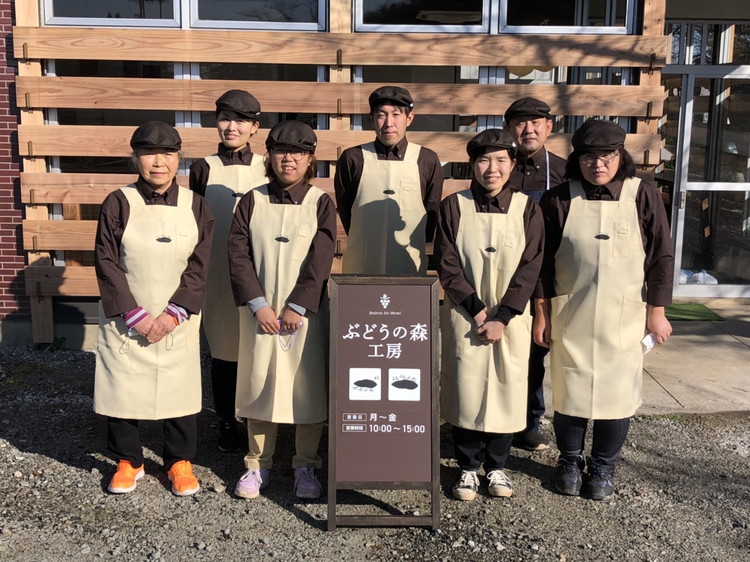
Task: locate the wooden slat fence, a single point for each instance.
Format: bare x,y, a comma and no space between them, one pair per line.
339,99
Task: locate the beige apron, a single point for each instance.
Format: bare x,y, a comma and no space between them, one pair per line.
599,314
387,232
135,379
282,378
483,387
220,314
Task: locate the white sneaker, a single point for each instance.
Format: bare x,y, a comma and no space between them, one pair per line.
499,484
465,488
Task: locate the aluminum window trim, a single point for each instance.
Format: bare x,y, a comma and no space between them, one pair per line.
50,19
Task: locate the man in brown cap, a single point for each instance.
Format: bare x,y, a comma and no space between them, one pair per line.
222,179
529,121
388,192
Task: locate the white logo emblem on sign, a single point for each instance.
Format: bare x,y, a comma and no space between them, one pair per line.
385,300
364,383
403,385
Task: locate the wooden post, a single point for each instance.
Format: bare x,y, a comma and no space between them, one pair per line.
340,22
42,324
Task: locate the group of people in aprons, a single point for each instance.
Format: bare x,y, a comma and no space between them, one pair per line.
251,245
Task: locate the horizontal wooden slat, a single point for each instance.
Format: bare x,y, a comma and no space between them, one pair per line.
65,281
90,140
309,97
58,235
405,49
93,188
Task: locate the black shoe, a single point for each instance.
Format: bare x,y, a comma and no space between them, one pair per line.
569,476
531,440
600,484
229,437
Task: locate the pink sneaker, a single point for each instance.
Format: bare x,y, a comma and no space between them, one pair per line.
251,483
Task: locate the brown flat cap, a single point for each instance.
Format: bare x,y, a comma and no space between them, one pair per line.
527,107
240,102
394,94
491,138
293,134
598,134
156,134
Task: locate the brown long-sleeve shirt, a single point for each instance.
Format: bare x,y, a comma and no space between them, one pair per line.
658,265
349,172
313,276
113,218
530,173
450,270
200,169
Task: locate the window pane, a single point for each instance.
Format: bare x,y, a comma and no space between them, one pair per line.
241,71
719,106
563,12
734,132
114,69
676,43
541,12
740,53
138,9
422,12
716,242
301,11
697,162
96,165
112,117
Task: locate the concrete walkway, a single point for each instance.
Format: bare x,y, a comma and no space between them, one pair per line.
704,367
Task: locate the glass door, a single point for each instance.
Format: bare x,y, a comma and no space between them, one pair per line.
711,204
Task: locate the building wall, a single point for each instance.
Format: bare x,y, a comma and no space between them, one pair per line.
14,305
730,10
91,132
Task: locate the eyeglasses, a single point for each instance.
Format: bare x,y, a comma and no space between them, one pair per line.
296,155
590,159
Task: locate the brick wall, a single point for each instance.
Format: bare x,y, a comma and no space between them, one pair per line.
13,303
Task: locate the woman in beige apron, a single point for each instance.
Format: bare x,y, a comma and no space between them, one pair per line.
606,277
152,242
281,247
489,249
222,179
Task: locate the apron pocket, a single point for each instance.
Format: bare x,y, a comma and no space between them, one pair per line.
407,194
632,323
621,242
301,243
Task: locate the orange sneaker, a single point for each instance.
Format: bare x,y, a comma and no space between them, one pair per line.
184,482
124,480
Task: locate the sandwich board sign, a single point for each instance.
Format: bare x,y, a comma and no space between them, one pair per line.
383,393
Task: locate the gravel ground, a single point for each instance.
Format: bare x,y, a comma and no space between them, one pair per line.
683,493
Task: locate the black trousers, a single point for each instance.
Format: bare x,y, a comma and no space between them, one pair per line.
224,386
606,443
180,439
477,448
535,398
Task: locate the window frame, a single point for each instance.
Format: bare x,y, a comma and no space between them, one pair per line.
185,17
360,26
628,28
52,20
320,25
